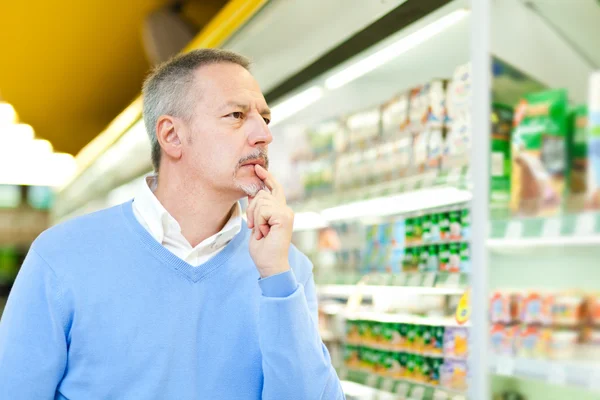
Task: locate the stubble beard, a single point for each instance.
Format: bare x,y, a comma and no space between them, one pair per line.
251,189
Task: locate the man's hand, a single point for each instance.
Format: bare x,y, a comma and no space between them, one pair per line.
271,221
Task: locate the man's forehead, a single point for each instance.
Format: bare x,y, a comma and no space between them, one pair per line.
228,82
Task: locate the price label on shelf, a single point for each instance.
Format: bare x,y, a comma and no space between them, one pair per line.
414,280
557,375
585,224
594,380
514,230
402,389
453,280
505,366
372,380
552,227
429,279
387,385
417,393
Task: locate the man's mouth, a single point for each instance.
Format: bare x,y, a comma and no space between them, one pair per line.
252,163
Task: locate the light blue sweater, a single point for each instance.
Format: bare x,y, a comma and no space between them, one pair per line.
100,310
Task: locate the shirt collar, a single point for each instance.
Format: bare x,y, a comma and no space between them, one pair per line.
161,223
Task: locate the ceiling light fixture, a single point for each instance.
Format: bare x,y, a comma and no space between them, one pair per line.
7,114
394,50
295,103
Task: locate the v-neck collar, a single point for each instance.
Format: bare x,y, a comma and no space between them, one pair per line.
193,273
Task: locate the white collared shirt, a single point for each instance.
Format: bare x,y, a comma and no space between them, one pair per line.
166,230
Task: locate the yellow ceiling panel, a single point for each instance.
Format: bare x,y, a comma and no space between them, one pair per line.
69,67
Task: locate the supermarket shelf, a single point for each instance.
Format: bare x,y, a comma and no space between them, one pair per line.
403,319
349,290
568,230
404,388
582,373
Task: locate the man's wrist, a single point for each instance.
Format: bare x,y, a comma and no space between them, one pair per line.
271,271
279,285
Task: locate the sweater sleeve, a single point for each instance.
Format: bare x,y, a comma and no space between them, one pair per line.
33,345
296,364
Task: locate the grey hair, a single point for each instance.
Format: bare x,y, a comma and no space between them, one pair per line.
166,89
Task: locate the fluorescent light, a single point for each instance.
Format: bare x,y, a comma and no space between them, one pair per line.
15,134
7,114
398,204
304,221
394,50
295,103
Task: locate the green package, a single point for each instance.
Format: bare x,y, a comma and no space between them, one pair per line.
500,160
411,337
465,258
434,230
403,334
351,356
410,230
577,159
423,258
377,332
419,337
444,257
403,361
418,229
411,366
364,330
426,227
539,150
454,260
437,340
465,224
427,338
434,370
433,260
444,226
454,220
424,366
419,368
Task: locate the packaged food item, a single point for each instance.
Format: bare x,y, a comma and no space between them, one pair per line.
455,224
409,228
453,374
411,337
538,154
459,91
500,161
503,338
364,128
416,109
536,308
567,309
371,170
394,116
454,261
403,360
426,226
577,159
420,149
376,333
444,257
434,223
532,342
398,232
435,148
435,365
418,229
465,258
456,342
465,224
403,330
364,331
562,344
457,144
419,342
445,226
501,308
437,340
433,262
424,258
411,259
412,366
353,335
422,369
390,336
351,356
593,176
435,94
593,309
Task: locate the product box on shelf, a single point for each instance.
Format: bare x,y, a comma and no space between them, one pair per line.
502,339
364,128
538,153
456,342
453,374
394,116
458,101
535,307
577,159
500,161
457,143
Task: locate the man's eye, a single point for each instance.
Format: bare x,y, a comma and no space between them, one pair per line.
237,115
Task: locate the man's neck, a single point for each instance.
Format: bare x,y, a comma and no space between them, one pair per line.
200,213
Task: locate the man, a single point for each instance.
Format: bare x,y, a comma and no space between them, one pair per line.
172,295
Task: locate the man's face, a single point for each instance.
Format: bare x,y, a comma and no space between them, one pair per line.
228,133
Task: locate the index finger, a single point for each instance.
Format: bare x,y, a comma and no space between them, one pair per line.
271,183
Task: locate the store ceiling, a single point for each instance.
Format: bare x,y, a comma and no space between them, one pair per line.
69,67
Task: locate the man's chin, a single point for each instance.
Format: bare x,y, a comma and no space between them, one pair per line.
250,187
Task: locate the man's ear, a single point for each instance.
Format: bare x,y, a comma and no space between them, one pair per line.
168,135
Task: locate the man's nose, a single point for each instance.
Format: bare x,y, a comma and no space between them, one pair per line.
259,133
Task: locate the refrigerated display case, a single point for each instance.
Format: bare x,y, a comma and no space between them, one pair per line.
402,136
